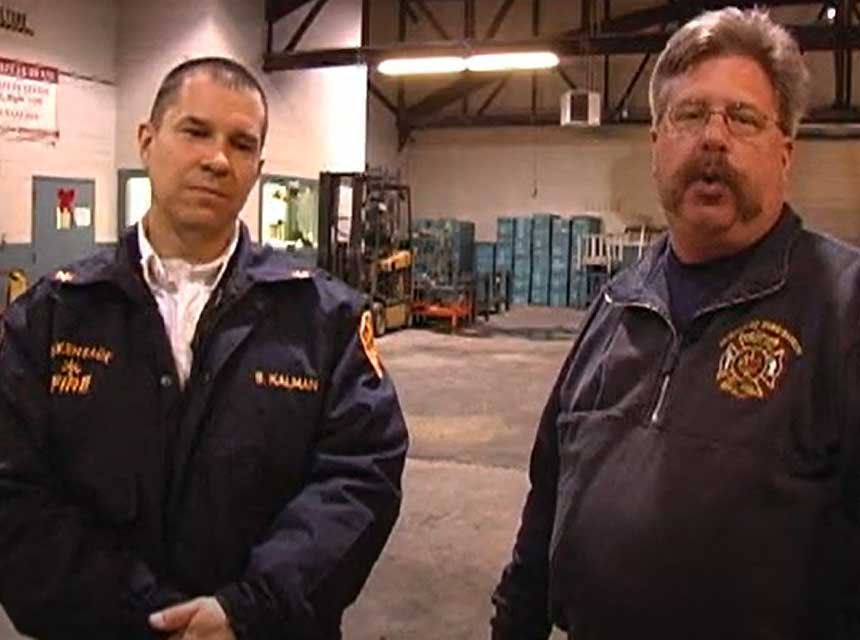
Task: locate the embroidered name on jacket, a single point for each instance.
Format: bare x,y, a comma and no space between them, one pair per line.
277,380
755,358
73,378
81,352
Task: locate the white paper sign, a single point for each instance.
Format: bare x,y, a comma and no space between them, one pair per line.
83,216
28,97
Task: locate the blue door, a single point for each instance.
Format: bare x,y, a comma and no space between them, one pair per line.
63,222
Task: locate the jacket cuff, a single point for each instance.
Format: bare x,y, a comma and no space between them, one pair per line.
148,594
236,600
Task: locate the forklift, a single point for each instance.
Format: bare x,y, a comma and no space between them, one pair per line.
365,239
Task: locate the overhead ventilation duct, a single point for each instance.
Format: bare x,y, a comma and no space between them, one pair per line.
580,108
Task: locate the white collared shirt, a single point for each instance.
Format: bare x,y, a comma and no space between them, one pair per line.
181,290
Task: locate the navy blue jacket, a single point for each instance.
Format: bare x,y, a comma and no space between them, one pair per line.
272,481
701,484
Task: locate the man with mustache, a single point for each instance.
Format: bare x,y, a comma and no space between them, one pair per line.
696,471
197,437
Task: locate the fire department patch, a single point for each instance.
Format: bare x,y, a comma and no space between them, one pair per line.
755,358
365,333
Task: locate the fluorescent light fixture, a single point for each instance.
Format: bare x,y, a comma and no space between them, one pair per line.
437,64
512,61
480,62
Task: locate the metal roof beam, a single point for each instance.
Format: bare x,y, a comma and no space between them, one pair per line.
672,12
498,19
305,25
277,9
810,38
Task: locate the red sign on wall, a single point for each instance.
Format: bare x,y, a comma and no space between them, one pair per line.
28,98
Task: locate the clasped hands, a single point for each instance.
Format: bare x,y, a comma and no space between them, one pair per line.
198,619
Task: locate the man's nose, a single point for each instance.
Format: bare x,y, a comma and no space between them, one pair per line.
216,160
715,132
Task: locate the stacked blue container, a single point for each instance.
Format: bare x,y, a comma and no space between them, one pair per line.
542,224
485,266
522,261
581,287
505,245
560,263
425,247
485,257
445,249
463,241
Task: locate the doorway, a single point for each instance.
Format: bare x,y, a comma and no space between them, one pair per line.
63,222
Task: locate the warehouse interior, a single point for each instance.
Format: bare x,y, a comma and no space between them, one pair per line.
493,223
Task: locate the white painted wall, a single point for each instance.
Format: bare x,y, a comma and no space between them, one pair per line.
78,37
483,174
382,140
825,186
317,118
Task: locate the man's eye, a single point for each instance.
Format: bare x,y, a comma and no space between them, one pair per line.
688,113
195,133
746,117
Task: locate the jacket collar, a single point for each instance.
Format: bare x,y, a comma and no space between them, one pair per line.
764,273
250,263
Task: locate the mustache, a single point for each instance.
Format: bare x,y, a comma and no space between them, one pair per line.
714,168
710,167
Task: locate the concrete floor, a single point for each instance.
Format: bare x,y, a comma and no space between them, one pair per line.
472,402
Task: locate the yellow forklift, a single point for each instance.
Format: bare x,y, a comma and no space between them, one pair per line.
365,239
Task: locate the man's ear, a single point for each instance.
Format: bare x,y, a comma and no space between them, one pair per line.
654,136
145,135
787,156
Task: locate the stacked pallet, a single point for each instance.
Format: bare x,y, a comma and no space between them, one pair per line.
584,280
444,250
543,252
522,261
542,225
560,254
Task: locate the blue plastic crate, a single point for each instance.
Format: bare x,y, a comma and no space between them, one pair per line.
520,293
522,248
505,227
581,225
541,220
444,248
558,296
504,258
578,289
485,257
523,229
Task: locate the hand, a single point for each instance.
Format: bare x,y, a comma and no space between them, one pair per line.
198,619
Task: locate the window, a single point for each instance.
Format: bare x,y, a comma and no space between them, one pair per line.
135,196
289,216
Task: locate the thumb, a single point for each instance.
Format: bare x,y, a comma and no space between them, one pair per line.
175,617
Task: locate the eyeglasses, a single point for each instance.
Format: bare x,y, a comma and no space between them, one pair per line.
742,120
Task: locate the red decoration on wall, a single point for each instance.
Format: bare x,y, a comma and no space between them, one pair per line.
65,199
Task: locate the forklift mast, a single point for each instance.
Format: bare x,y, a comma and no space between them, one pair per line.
365,237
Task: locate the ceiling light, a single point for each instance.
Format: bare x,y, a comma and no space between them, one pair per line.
437,64
831,13
512,61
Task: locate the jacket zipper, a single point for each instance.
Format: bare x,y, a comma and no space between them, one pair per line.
211,316
655,414
668,367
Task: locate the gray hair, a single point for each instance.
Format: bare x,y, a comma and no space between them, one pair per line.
732,31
